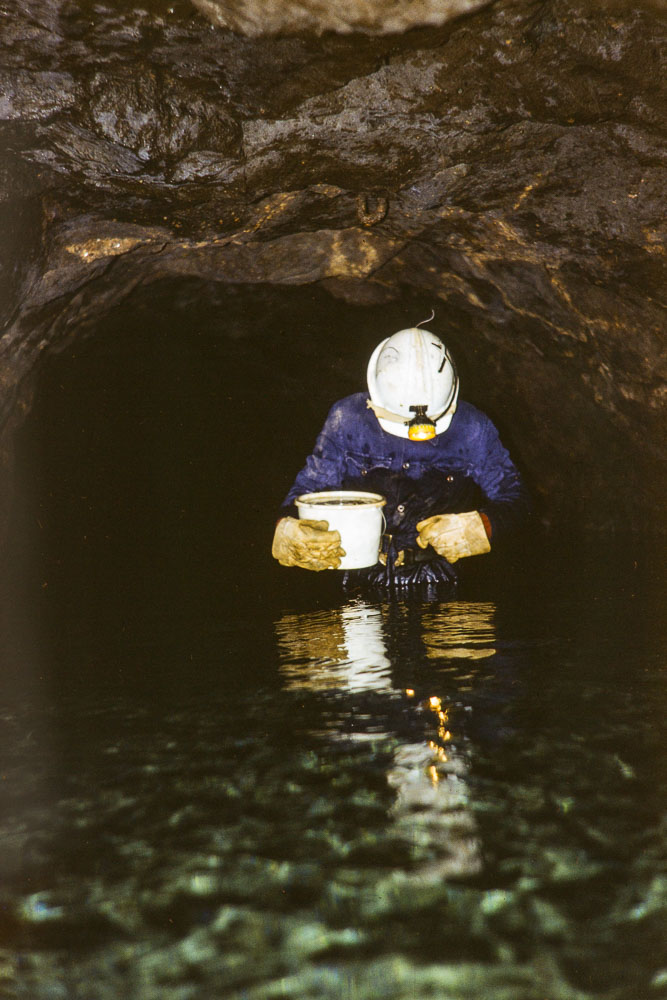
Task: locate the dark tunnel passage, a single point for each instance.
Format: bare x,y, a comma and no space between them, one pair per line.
161,442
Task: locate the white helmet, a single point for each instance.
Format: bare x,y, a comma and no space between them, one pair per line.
412,378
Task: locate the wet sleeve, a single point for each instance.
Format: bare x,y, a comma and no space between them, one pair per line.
323,469
506,505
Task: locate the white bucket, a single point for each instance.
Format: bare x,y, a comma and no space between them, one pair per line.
357,516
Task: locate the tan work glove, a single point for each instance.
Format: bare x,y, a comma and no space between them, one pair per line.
454,536
305,543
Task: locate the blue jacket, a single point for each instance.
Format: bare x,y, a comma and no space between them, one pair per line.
464,468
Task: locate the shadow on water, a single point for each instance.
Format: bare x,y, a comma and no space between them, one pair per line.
221,778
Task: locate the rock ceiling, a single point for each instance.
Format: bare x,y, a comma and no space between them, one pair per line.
508,163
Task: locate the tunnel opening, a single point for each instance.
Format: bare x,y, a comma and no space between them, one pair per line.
161,442
163,438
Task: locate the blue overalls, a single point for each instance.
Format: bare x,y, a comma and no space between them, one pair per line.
465,468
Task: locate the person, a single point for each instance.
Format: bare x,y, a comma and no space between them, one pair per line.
451,488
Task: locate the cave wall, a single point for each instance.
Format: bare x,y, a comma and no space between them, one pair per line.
262,17
506,166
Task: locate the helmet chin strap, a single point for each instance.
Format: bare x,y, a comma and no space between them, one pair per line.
397,418
380,411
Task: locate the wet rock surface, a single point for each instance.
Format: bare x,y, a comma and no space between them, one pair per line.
506,167
371,16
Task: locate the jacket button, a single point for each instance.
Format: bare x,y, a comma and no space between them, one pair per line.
401,508
450,479
406,465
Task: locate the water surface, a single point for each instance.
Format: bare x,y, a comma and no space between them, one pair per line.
325,796
224,779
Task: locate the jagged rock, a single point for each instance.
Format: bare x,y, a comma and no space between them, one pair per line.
505,165
371,16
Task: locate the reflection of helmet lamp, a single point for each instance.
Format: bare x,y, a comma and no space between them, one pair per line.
421,427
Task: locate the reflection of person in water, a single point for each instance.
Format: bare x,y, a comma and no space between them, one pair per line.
349,649
451,487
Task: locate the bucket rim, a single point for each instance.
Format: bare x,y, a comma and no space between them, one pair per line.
328,497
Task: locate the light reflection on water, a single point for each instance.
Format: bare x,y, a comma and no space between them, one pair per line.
439,797
340,648
347,649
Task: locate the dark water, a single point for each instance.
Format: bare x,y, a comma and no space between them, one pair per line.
220,779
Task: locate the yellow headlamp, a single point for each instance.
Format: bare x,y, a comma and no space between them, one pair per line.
421,427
